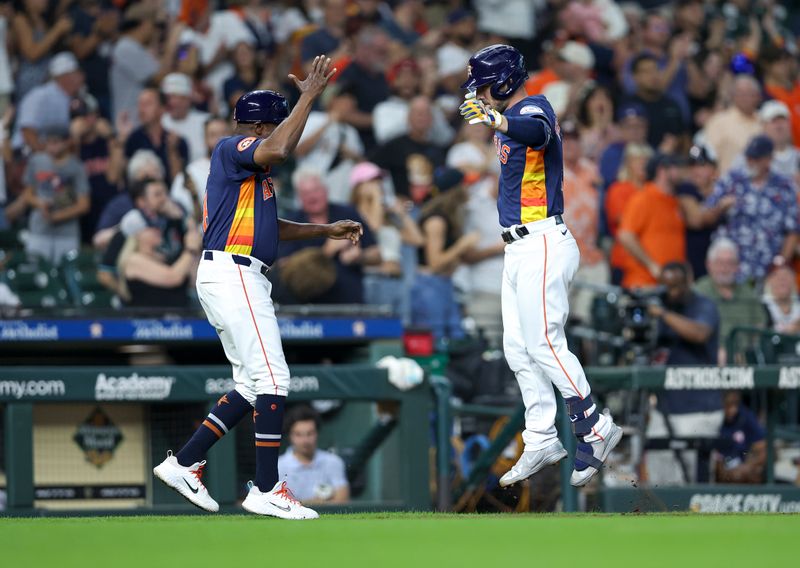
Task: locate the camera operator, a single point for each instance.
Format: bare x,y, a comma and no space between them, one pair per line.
688,334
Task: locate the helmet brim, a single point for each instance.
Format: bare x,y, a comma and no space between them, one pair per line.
472,83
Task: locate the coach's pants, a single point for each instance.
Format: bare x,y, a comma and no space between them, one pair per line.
537,273
237,302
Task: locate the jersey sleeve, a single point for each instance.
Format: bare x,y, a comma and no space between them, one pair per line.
533,124
241,150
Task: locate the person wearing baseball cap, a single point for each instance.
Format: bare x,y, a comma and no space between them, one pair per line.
761,216
49,105
181,117
692,193
573,66
776,120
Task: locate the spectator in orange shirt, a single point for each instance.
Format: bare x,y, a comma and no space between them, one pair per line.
631,179
781,83
538,81
581,208
652,229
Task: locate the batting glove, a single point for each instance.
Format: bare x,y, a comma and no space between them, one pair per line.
475,112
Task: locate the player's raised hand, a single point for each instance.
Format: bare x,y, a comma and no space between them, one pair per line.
346,230
317,78
475,112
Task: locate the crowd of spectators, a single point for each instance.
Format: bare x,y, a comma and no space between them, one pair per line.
680,123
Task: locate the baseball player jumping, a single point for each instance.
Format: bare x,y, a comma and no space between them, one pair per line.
242,230
541,258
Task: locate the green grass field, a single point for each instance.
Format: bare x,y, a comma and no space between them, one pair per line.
400,539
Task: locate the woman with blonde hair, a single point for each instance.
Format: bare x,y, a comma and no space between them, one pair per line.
632,176
147,280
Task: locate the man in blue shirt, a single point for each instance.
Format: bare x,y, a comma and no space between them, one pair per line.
348,258
688,335
742,446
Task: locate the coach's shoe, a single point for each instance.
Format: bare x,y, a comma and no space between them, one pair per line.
277,503
186,481
532,461
589,458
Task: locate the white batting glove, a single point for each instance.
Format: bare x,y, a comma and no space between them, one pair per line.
475,112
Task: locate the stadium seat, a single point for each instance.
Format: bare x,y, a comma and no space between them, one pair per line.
83,258
98,299
9,239
51,298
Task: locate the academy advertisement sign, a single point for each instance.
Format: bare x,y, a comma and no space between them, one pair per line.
133,387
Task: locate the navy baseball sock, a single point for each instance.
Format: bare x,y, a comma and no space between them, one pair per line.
269,424
583,415
230,409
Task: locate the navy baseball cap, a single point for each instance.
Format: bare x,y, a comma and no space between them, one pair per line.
445,178
662,161
700,155
759,147
631,110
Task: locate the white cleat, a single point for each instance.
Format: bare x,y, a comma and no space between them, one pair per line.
532,461
600,451
186,481
277,503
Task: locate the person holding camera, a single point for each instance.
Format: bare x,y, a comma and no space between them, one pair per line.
688,335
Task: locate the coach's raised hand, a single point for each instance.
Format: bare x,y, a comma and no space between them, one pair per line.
317,79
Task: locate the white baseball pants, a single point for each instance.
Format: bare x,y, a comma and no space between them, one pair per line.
537,272
237,302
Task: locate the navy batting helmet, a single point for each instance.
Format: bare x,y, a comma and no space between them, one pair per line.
261,106
502,66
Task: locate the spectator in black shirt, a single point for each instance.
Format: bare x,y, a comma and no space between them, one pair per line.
365,77
349,259
94,27
666,126
400,155
101,154
171,148
329,38
691,194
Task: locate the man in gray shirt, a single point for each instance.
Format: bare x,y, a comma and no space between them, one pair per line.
59,191
133,65
313,475
48,105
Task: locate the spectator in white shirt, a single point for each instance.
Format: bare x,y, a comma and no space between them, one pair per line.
181,118
189,187
330,146
390,117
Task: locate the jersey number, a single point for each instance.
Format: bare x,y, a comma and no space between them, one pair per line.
502,150
267,189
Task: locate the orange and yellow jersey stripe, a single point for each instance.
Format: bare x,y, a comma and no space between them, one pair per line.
530,178
240,213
